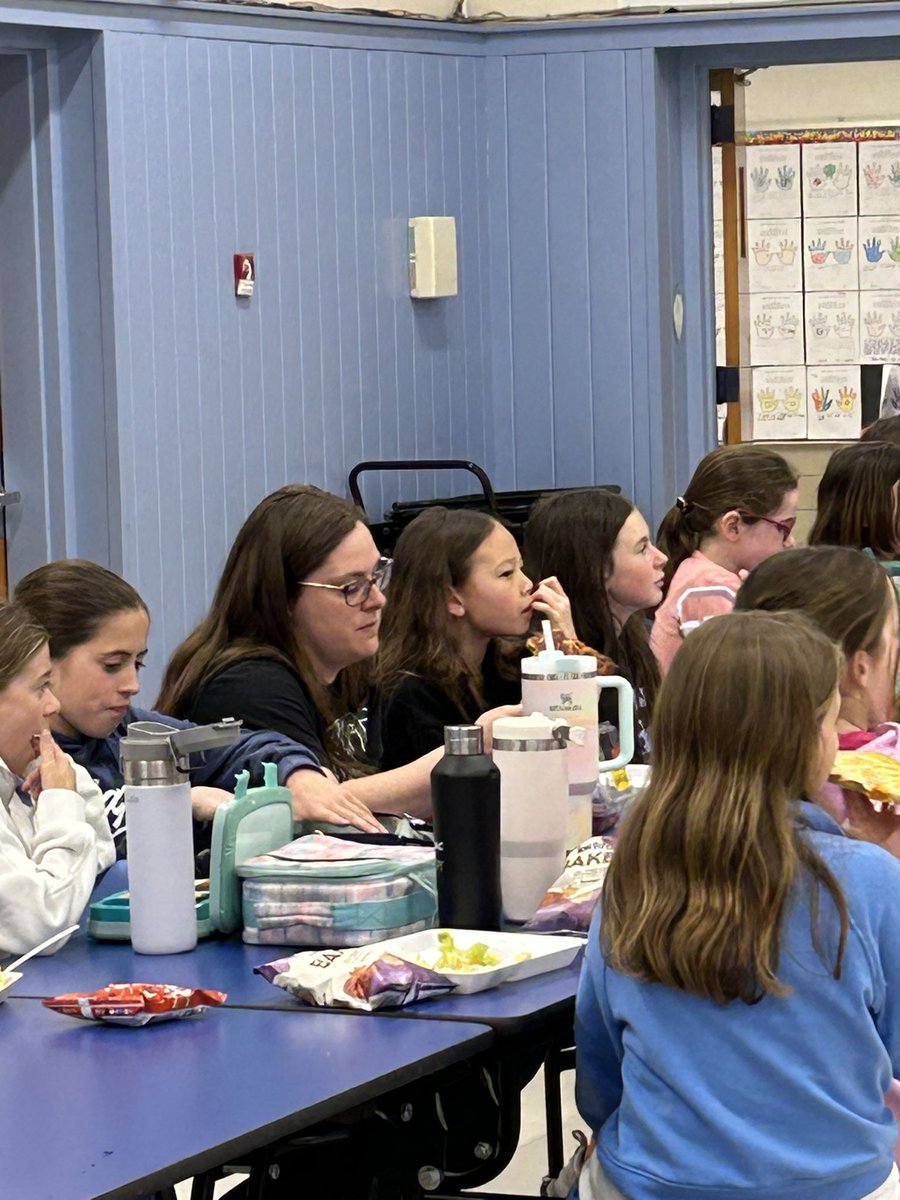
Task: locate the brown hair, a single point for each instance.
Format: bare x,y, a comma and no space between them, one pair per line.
20,639
433,553
843,591
885,429
287,536
707,858
572,535
72,598
857,504
753,479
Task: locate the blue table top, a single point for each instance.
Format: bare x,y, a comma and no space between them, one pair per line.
227,965
189,1095
84,964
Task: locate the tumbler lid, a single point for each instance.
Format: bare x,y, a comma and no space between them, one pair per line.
463,739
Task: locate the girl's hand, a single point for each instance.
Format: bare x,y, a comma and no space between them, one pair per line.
551,601
54,770
486,721
882,828
205,801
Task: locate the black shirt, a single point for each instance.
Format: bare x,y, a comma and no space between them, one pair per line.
264,693
410,720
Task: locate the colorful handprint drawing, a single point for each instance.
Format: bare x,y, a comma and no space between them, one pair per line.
792,400
846,399
821,400
759,177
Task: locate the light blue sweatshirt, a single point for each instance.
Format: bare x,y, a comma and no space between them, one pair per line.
780,1100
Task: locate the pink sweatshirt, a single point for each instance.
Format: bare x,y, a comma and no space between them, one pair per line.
688,603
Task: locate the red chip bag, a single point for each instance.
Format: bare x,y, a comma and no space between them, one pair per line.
135,1003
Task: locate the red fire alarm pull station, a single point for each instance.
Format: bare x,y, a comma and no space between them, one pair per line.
244,274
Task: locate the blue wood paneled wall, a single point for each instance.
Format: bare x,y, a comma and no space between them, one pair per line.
568,253
313,159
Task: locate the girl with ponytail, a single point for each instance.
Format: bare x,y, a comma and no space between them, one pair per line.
738,509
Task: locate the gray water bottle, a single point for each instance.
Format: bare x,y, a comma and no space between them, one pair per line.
465,803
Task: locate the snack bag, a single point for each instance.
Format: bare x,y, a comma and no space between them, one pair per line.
361,977
568,905
136,1003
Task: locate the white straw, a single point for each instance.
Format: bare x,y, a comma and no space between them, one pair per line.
549,644
43,946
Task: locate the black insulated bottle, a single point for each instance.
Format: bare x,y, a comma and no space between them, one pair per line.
465,801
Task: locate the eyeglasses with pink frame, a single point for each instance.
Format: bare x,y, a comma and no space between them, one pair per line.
785,528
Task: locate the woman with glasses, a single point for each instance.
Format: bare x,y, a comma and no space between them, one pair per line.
286,643
738,509
858,503
459,590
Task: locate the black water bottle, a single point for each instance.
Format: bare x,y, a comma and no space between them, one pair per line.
465,802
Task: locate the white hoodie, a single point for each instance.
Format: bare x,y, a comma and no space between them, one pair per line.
50,854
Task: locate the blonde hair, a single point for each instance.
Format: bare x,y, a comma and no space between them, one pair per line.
697,892
20,639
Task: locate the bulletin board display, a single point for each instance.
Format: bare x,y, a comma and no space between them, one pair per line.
819,275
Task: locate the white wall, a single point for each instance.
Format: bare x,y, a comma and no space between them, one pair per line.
827,94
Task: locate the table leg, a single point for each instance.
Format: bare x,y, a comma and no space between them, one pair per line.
558,1060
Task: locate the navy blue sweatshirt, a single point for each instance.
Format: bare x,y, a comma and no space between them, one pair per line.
214,768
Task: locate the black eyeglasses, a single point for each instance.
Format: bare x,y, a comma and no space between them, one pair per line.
358,590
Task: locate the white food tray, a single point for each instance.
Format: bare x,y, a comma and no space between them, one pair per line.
547,954
7,982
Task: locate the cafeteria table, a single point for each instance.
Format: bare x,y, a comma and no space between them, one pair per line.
532,1018
97,1112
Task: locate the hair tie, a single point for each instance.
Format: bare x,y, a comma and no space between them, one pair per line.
683,505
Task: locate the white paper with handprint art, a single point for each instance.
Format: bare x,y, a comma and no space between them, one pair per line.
778,403
833,408
772,181
879,327
832,327
829,179
879,178
774,261
773,329
717,184
719,256
721,356
879,252
830,254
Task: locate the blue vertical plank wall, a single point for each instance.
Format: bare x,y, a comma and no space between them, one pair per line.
313,159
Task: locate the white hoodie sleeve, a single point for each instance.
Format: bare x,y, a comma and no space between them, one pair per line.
49,858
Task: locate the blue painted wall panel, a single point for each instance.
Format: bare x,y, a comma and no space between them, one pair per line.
313,160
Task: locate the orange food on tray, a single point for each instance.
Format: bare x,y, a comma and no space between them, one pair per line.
136,1003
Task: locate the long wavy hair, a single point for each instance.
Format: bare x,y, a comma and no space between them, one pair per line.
751,478
287,536
858,501
709,855
842,591
572,535
433,554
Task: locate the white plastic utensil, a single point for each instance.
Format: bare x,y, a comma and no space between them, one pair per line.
57,937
